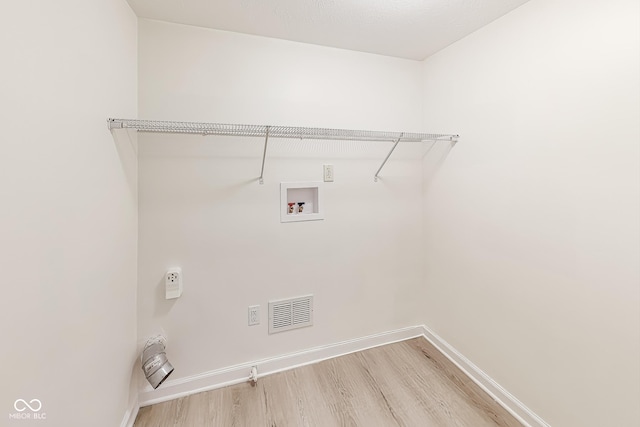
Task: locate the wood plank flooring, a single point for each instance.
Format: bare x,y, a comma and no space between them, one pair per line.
408,383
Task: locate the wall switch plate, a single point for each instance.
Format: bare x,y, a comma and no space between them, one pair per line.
328,173
254,315
173,283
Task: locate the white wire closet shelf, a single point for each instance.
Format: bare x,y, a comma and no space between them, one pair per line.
266,132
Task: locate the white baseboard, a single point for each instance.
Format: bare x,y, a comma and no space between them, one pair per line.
130,416
508,401
173,389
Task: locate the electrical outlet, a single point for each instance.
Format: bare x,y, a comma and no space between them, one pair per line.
254,315
173,283
328,173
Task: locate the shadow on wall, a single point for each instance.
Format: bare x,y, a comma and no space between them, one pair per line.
126,144
222,194
433,158
135,382
163,306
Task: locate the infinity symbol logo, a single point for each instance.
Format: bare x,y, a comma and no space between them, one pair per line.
26,405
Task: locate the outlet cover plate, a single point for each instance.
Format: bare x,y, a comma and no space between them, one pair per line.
254,315
328,173
173,283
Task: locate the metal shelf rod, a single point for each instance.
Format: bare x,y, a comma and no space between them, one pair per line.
375,177
264,156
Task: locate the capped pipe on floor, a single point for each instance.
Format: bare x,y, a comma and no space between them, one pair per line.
253,375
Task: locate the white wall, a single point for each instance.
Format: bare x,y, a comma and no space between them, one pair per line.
68,221
530,225
202,208
532,221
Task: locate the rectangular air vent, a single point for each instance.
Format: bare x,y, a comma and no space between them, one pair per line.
290,313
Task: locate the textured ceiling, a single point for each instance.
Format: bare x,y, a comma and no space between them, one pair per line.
412,29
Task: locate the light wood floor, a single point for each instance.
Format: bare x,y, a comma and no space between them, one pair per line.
408,383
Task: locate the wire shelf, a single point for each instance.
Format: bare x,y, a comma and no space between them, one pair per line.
266,132
274,131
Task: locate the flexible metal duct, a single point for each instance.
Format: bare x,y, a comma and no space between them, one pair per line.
155,364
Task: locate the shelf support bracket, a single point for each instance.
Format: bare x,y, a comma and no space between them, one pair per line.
113,124
264,155
375,177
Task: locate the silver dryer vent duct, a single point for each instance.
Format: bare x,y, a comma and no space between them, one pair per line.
155,364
